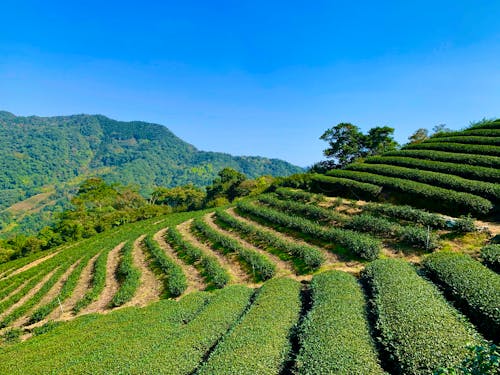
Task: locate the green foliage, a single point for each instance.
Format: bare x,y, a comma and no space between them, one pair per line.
174,278
485,123
127,275
423,195
345,187
334,336
419,237
416,326
359,244
406,213
371,224
180,198
457,147
491,256
299,195
465,224
225,185
259,265
209,266
309,256
263,334
418,136
467,139
483,360
97,284
473,286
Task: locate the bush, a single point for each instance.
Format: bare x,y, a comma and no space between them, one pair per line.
97,284
491,256
299,195
416,327
127,275
344,187
473,286
375,225
484,360
407,213
465,224
456,147
418,237
334,336
466,139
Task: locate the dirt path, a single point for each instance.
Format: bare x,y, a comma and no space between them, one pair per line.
80,289
330,258
49,296
28,295
111,286
17,290
229,263
194,279
31,265
150,287
283,268
493,228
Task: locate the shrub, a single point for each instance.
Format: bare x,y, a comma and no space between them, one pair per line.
407,213
458,159
484,360
372,224
466,139
419,237
299,195
465,224
491,256
127,275
456,147
344,187
97,284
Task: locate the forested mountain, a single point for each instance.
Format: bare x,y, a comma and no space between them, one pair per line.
49,155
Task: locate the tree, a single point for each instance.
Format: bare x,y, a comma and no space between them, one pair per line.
418,136
440,128
181,198
345,141
379,140
225,185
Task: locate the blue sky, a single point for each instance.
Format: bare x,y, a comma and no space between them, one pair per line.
254,77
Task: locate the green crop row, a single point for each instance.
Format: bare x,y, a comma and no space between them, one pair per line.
406,213
262,334
30,283
476,132
359,244
310,256
208,265
491,256
473,286
487,125
174,278
466,139
424,194
485,189
299,195
261,267
445,157
127,275
310,211
456,147
417,328
334,337
344,187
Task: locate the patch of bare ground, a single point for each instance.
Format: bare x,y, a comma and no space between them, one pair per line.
111,284
229,262
194,279
492,227
150,287
283,268
32,264
28,295
49,296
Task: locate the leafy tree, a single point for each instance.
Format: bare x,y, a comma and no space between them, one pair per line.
440,128
379,140
187,197
418,136
225,185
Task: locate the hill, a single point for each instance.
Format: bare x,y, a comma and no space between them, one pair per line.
47,157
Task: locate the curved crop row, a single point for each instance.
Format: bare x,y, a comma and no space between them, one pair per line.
491,256
175,279
334,336
262,334
406,213
344,187
261,266
127,275
424,194
495,124
445,157
466,139
417,327
472,285
485,189
476,132
208,265
360,244
456,147
311,257
298,195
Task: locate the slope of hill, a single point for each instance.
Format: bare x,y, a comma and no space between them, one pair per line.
54,154
455,172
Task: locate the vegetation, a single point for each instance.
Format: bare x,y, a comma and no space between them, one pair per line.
484,360
491,256
334,336
127,275
457,147
407,213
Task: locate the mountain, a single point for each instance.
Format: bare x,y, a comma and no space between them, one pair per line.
41,158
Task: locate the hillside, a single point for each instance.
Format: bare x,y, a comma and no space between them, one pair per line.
47,157
204,287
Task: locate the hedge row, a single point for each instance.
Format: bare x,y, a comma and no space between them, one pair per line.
447,157
473,286
462,170
309,211
485,189
262,267
299,195
360,244
262,335
97,284
310,256
127,275
417,328
476,132
406,213
175,280
423,194
487,125
466,139
491,256
344,187
335,337
456,147
209,266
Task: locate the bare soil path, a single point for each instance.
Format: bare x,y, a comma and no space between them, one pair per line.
15,291
194,279
32,264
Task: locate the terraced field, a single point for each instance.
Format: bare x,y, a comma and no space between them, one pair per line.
287,282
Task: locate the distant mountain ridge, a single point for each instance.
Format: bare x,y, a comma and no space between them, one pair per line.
43,153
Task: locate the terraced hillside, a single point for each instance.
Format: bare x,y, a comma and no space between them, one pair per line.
454,173
287,282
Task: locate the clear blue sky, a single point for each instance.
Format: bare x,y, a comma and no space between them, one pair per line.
254,77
